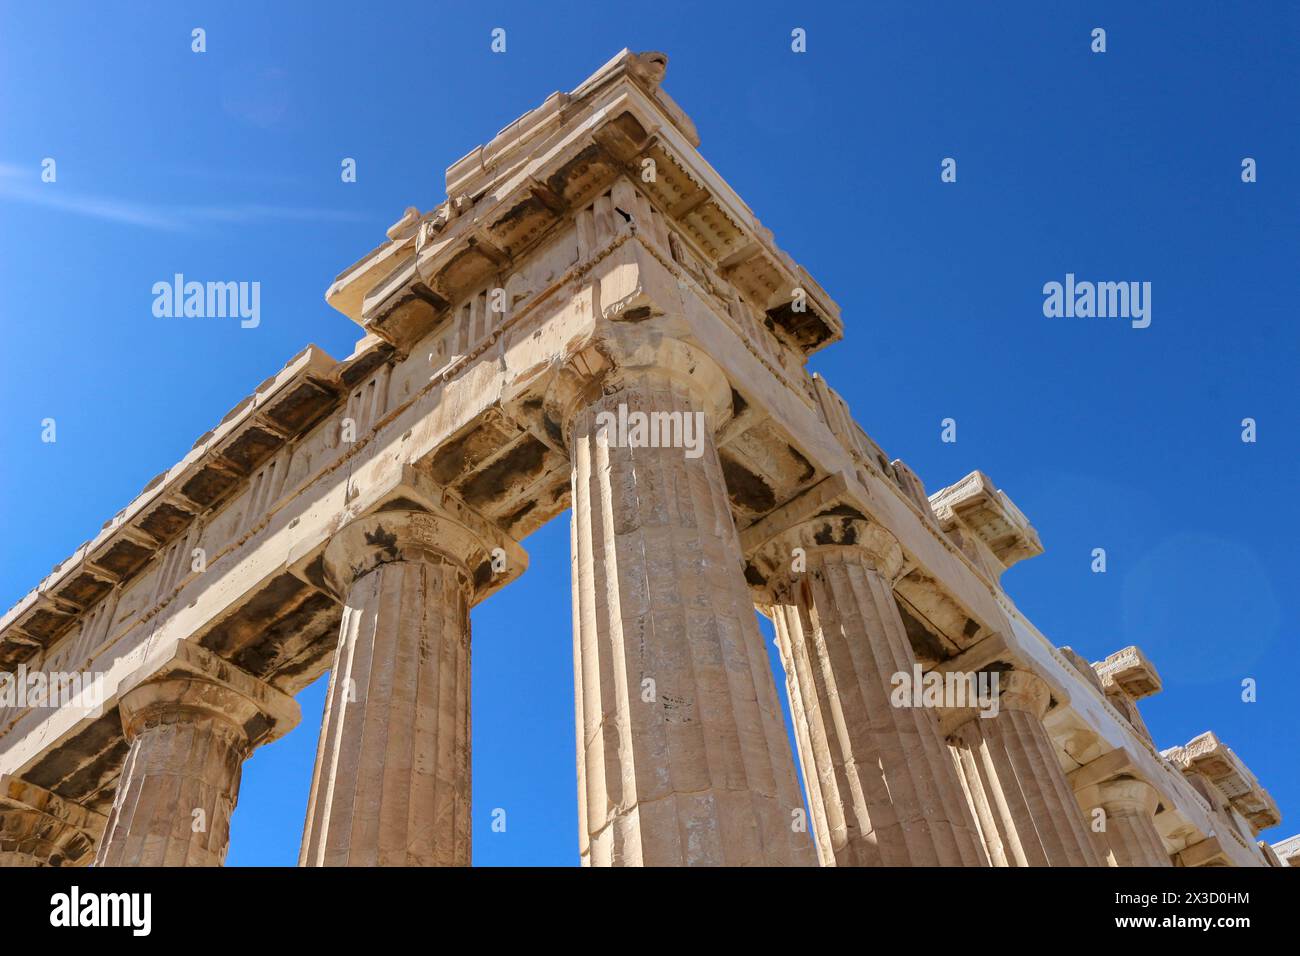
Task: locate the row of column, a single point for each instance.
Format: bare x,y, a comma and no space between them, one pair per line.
885,786
681,748
881,783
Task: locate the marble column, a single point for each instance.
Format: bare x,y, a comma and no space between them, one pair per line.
1128,808
190,723
392,780
39,828
1024,805
683,757
880,778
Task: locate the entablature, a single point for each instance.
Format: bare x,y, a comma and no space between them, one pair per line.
984,521
1214,760
1288,850
1129,670
282,407
506,197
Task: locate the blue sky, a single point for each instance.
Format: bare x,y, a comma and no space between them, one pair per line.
1117,166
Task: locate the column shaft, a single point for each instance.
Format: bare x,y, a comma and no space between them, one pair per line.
880,779
392,779
180,782
1133,840
1022,800
1129,837
682,753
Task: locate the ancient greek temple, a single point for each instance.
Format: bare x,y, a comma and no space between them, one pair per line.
588,266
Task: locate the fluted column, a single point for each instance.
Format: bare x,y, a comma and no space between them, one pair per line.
1127,834
1023,803
39,828
880,778
392,780
683,757
190,725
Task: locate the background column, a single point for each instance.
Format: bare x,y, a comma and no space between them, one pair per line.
1130,837
1026,809
880,778
392,780
191,723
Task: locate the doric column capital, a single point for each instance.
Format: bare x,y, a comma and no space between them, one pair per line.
624,355
453,535
1018,690
779,559
825,518
1025,691
1127,795
188,699
186,683
39,828
191,719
